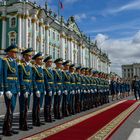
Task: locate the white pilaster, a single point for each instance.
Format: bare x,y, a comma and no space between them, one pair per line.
26,29
47,40
41,35
72,54
69,51
19,31
4,31
84,54
34,32
62,46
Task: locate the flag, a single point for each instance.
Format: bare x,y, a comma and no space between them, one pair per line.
61,4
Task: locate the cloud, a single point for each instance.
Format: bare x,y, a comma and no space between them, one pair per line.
120,51
134,24
135,5
80,17
93,18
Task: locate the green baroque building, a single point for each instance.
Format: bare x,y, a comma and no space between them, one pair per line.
29,25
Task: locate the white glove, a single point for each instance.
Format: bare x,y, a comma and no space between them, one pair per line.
78,90
65,92
44,92
59,92
91,90
54,93
73,92
95,90
50,93
26,94
31,93
9,94
1,93
38,94
18,93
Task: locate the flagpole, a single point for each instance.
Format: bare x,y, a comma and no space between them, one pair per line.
58,10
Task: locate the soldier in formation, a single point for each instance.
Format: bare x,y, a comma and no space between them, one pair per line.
62,91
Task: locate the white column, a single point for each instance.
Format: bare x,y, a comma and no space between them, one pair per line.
62,46
47,40
72,54
69,51
41,35
84,62
80,54
26,29
19,31
34,33
4,32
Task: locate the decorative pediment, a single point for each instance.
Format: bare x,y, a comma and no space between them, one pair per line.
73,25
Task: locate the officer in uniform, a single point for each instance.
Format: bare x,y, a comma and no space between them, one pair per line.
135,87
26,87
78,89
66,88
83,88
73,89
94,88
11,87
58,80
50,89
38,88
113,87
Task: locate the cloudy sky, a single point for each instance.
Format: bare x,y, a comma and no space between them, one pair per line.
114,23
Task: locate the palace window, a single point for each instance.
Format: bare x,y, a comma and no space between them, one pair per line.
53,52
13,22
54,35
58,37
49,33
12,37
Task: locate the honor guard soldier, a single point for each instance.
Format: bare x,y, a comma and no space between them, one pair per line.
73,89
11,87
58,97
113,87
66,88
83,89
38,88
87,95
91,88
50,89
26,87
78,89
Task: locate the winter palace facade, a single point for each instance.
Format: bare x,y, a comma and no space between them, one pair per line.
29,25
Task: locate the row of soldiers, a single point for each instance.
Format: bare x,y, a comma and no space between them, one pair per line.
119,88
65,89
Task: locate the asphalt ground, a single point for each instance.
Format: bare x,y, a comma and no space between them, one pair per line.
123,133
